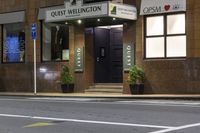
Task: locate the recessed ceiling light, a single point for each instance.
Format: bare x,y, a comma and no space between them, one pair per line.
79,21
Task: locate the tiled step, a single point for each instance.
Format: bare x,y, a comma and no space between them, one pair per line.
106,88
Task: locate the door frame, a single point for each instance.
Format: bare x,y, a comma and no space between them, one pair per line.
94,56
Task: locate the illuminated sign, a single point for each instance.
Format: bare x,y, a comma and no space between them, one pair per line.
128,56
75,9
33,31
79,53
122,11
162,6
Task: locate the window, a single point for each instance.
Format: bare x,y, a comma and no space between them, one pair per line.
13,43
165,36
55,42
155,26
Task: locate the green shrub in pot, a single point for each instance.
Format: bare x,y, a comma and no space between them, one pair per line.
67,81
136,78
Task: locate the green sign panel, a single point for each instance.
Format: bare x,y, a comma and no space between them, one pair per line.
79,58
128,56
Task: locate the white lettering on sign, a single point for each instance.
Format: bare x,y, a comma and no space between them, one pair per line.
128,47
79,50
128,57
78,57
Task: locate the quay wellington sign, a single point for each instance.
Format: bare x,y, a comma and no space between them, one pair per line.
75,9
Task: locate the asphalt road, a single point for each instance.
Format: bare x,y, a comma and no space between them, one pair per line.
74,115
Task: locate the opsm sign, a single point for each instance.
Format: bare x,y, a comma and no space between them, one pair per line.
162,6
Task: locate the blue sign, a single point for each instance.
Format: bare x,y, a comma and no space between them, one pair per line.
33,31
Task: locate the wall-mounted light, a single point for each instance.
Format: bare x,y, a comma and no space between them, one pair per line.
114,19
66,22
43,70
98,20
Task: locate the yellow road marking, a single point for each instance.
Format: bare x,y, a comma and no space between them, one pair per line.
39,124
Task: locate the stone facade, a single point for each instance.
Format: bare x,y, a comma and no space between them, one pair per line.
168,76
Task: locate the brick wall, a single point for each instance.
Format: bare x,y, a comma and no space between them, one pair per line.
162,76
177,76
19,77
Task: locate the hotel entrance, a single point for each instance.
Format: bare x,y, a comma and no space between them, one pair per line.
96,42
108,54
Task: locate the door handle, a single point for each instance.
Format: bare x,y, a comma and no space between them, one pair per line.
97,59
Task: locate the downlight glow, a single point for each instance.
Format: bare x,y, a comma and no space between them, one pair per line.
79,21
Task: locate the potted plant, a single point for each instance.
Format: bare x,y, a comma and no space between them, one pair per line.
67,82
136,79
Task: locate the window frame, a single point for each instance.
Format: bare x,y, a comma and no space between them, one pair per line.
165,35
2,46
41,47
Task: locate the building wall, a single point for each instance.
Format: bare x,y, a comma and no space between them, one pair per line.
129,37
174,76
162,76
18,77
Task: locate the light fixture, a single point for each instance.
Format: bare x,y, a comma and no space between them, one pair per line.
114,19
43,70
110,26
66,22
98,19
79,21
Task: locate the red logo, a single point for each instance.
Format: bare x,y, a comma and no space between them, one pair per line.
167,7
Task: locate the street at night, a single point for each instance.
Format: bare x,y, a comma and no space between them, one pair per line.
89,115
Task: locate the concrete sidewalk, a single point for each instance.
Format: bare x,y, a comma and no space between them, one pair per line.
103,95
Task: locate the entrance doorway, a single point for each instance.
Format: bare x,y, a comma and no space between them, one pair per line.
108,54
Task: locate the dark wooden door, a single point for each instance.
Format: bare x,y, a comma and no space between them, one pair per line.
101,50
108,55
116,55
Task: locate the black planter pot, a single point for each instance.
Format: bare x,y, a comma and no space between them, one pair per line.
137,88
67,88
